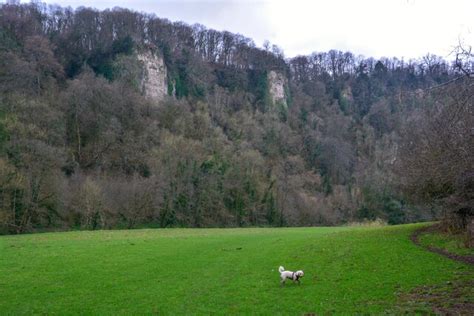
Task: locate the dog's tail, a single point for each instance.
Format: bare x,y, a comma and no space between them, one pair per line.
281,269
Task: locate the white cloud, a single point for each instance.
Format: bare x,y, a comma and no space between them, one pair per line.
376,28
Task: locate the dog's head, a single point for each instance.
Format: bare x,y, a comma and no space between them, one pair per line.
299,273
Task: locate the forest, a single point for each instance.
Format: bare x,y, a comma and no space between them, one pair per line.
354,139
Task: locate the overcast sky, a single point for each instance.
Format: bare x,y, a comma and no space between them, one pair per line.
401,28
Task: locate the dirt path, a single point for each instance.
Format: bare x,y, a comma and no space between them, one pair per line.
414,237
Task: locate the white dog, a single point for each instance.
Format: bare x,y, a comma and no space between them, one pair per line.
295,276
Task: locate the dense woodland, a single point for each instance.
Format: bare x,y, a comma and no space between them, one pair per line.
82,148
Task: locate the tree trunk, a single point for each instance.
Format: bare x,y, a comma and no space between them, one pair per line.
470,234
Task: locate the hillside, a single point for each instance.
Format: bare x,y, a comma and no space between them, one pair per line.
120,119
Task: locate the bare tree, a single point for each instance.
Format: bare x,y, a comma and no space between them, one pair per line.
436,162
464,62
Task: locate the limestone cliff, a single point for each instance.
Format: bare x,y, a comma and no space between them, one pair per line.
154,76
277,83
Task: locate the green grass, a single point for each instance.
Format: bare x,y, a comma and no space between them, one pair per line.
220,271
452,243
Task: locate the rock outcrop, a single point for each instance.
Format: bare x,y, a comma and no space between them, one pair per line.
154,81
277,84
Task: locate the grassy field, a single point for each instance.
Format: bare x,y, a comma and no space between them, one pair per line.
451,243
218,271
